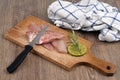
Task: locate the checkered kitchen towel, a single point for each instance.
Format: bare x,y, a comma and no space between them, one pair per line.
87,15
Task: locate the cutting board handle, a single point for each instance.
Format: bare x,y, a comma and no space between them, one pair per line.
101,65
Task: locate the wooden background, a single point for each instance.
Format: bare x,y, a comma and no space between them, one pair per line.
37,68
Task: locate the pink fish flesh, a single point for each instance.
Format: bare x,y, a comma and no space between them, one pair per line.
60,45
48,46
49,40
48,36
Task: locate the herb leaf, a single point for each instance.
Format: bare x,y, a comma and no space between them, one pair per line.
75,41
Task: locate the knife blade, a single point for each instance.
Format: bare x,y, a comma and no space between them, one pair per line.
20,58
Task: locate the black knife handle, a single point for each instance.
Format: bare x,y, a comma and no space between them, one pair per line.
19,59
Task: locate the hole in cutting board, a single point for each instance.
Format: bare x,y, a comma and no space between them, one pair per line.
108,67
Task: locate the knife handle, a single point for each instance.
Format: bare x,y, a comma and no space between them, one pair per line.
19,59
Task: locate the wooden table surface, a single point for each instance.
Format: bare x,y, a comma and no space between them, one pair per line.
37,68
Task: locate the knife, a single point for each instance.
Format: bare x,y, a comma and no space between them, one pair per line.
20,58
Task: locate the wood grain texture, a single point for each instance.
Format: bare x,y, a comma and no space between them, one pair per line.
37,68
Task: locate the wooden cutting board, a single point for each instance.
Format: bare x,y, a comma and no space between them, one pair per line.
17,35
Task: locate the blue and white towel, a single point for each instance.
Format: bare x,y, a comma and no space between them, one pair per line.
87,15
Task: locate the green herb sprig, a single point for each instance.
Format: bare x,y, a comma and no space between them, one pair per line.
75,41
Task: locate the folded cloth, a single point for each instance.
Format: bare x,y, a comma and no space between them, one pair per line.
87,15
67,15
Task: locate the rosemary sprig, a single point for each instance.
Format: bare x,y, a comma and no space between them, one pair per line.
75,41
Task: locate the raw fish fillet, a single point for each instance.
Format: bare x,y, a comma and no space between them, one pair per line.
48,36
48,46
60,45
49,40
32,32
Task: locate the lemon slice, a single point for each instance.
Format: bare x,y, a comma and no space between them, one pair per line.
74,51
